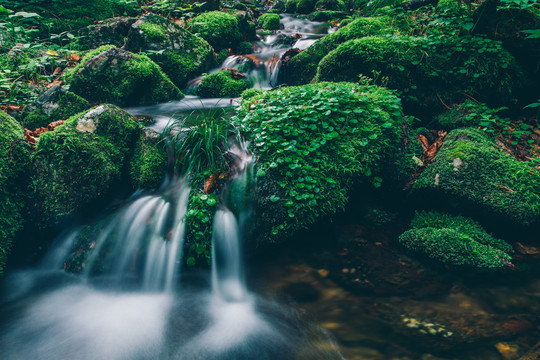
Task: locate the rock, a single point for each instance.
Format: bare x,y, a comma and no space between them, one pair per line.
149,164
14,161
54,104
456,240
426,85
109,74
480,185
302,292
269,21
220,29
180,54
221,84
80,163
113,31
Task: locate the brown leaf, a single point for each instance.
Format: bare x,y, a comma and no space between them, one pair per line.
507,189
424,141
55,124
57,70
527,250
74,57
209,183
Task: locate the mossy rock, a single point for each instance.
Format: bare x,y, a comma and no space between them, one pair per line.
313,144
327,15
472,172
55,104
428,72
269,21
300,6
220,29
79,163
456,240
109,74
179,53
302,68
334,5
70,15
221,84
113,31
149,163
467,114
14,161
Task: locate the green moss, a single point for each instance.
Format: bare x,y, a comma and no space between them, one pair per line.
326,15
303,67
14,159
81,161
108,74
154,32
470,168
220,29
249,93
269,21
427,70
199,218
65,105
313,144
336,5
455,240
244,48
221,84
149,163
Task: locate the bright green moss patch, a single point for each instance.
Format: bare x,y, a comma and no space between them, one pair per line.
149,163
326,15
14,159
108,74
220,29
455,240
313,143
269,21
472,169
221,84
81,161
427,71
154,32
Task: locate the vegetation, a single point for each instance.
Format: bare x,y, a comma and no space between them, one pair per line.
456,240
220,29
149,164
269,21
221,84
199,218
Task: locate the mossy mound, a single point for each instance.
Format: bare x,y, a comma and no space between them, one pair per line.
307,6
220,29
109,74
467,114
180,54
456,240
314,143
221,84
149,163
428,71
326,15
55,104
80,162
472,171
269,21
14,159
69,15
302,68
334,5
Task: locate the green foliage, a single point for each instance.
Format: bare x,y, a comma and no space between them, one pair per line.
249,93
108,74
427,71
313,143
269,21
472,169
81,161
220,29
199,141
327,15
149,163
335,5
14,159
199,219
455,240
154,32
221,84
243,48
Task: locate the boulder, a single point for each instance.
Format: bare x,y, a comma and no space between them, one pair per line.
269,21
222,84
149,163
113,31
220,29
109,74
179,53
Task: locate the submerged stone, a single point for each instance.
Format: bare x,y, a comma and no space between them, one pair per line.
109,74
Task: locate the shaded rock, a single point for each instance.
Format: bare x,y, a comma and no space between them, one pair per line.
302,292
109,74
54,104
113,31
180,54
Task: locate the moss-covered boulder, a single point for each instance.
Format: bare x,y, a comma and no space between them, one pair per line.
428,71
220,29
456,240
269,21
55,104
221,84
302,68
149,163
14,159
472,173
179,53
113,31
300,6
109,74
313,144
327,15
79,163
